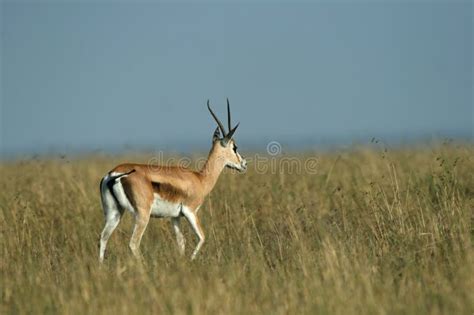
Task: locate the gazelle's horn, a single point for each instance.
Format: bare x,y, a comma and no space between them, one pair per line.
228,136
231,132
229,124
216,119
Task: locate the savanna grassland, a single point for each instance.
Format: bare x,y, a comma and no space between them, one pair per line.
371,231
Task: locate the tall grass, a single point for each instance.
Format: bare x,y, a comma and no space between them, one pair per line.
371,232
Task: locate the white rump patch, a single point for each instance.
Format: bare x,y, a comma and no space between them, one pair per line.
120,194
108,200
164,209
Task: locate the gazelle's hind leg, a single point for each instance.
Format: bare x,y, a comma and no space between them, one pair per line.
141,222
113,214
111,222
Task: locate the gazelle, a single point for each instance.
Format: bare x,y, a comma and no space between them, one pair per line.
166,191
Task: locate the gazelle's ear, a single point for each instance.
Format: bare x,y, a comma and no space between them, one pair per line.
217,135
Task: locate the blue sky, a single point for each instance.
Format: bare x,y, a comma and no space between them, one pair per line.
84,75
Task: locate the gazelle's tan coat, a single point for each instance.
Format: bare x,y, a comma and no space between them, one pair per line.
165,191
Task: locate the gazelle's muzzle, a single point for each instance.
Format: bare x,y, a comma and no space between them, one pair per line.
243,165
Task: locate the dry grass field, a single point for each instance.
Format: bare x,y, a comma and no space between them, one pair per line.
370,232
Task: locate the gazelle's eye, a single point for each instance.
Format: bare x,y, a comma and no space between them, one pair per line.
235,148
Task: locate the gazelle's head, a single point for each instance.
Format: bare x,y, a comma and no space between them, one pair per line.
224,146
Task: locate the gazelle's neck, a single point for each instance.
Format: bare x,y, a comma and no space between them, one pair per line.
211,170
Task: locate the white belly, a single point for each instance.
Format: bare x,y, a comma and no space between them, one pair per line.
164,209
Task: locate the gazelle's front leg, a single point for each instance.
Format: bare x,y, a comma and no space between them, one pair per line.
195,224
179,236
